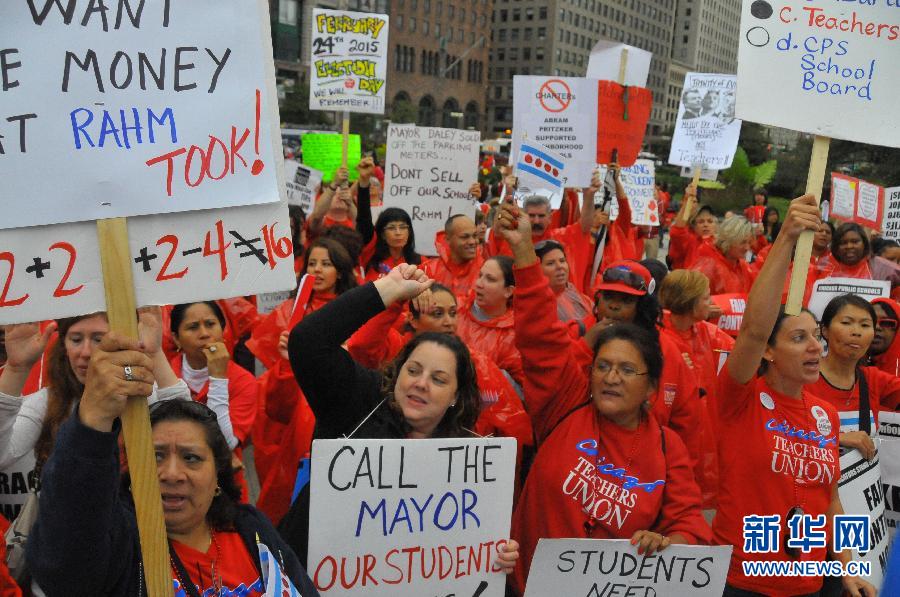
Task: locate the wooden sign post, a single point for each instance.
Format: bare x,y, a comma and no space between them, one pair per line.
815,179
112,235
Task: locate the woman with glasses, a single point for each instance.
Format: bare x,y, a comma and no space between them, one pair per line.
857,392
85,540
885,350
571,304
605,468
778,443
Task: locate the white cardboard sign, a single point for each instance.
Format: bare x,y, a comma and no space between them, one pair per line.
889,451
825,68
890,223
706,131
54,271
348,64
705,174
606,57
428,172
301,183
606,567
421,517
560,113
105,109
827,288
639,182
860,488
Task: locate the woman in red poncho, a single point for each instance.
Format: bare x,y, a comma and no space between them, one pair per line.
685,294
851,257
591,426
724,263
571,305
885,350
770,428
283,433
690,230
486,319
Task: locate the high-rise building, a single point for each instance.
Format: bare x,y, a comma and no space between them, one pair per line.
555,38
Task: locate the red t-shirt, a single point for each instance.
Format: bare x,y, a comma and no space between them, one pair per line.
884,388
758,461
234,567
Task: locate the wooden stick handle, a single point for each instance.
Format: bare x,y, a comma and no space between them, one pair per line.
345,142
115,258
803,251
623,64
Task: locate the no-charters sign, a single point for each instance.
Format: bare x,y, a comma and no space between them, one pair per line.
555,95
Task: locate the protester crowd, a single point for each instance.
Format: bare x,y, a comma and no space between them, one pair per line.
636,416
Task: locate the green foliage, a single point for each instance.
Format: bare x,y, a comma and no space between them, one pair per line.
735,189
404,112
295,108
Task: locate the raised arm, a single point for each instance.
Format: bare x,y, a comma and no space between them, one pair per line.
364,223
688,203
324,203
587,203
765,295
25,343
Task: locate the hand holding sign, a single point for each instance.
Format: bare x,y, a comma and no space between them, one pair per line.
515,227
803,214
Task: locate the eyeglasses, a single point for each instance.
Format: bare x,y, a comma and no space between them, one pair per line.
625,276
397,228
886,323
625,371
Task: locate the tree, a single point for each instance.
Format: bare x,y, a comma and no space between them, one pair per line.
295,108
738,182
404,112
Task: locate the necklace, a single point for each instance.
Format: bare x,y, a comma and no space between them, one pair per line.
214,569
591,523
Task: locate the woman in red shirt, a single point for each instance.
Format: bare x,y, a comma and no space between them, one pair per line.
571,305
689,230
851,257
486,319
778,444
724,263
605,469
885,350
394,242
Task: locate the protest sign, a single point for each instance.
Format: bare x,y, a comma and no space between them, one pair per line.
869,205
855,200
827,288
622,115
843,196
268,301
889,451
890,221
606,567
732,307
348,64
405,518
706,131
106,112
821,68
539,168
605,62
639,182
54,271
560,113
301,183
861,493
705,173
428,173
322,151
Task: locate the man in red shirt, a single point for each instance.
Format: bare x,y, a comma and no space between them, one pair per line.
459,260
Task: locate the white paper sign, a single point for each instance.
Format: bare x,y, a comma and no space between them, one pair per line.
605,59
867,205
54,271
639,182
843,197
606,567
825,68
706,131
428,172
106,109
889,451
827,288
302,183
348,66
539,168
861,493
705,173
421,517
890,225
560,113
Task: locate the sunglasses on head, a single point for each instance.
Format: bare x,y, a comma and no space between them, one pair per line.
626,277
540,246
886,323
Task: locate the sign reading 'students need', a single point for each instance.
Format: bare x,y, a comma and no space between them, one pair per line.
105,109
348,64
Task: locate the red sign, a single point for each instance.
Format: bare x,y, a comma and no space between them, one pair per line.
622,116
732,307
555,96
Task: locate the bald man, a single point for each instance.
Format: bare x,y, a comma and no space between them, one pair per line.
459,258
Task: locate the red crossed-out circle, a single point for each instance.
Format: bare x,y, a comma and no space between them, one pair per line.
555,95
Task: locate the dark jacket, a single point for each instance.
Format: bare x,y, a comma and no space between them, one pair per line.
85,540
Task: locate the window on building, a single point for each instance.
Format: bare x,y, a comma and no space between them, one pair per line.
451,11
539,53
503,15
437,30
426,4
514,34
542,33
529,14
501,54
517,14
498,92
526,53
514,53
287,12
412,24
526,33
459,35
542,12
502,35
399,22
439,8
425,27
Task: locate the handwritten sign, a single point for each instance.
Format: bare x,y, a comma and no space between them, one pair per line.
890,222
706,131
560,113
856,200
606,58
622,115
639,182
843,196
860,488
54,271
889,453
322,151
112,105
826,68
606,567
428,173
302,182
348,67
410,517
827,288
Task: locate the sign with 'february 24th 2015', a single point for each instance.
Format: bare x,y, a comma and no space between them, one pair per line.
406,518
105,109
348,64
826,68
